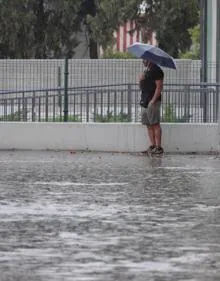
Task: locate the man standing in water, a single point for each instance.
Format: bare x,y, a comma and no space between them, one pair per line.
151,85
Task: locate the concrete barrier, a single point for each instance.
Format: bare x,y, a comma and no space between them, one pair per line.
111,137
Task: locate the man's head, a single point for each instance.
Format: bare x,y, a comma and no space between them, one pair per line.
147,63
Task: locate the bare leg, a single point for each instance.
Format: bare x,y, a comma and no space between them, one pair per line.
151,135
157,133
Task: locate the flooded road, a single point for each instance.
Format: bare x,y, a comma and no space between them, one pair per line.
109,217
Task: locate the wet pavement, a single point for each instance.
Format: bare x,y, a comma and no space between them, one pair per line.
109,217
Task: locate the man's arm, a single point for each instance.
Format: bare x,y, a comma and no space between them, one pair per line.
141,80
159,88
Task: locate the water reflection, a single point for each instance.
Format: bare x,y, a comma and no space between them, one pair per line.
88,216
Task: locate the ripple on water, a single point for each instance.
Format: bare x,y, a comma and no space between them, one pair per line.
108,217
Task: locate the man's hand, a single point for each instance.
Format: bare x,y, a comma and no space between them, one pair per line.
152,102
141,77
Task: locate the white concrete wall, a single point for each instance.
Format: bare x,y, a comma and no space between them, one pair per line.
113,137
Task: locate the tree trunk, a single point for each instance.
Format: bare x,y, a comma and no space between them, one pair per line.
39,30
93,49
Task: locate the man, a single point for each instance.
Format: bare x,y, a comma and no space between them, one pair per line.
151,85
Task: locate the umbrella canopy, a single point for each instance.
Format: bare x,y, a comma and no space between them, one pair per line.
152,53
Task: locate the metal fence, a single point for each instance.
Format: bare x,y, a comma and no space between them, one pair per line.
46,74
192,103
102,91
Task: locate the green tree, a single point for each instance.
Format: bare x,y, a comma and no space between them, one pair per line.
38,28
194,52
49,28
172,20
15,29
102,17
61,27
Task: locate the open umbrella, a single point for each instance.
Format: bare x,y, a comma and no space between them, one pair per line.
152,53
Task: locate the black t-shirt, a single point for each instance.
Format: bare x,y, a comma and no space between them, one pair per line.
148,85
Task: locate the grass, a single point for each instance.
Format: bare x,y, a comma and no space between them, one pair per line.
75,118
13,117
18,116
169,116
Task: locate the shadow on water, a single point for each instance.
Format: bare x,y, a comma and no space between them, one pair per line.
103,216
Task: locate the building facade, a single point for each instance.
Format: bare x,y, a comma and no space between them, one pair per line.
128,33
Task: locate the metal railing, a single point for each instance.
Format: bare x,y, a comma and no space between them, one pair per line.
51,73
191,103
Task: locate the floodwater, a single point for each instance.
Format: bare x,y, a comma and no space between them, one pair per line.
109,217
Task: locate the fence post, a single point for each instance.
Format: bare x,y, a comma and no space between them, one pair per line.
129,102
46,106
59,86
24,107
187,102
66,73
87,106
205,106
33,107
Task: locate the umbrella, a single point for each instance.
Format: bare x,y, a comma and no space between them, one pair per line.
152,53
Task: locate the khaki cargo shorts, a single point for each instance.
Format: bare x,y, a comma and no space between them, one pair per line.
151,114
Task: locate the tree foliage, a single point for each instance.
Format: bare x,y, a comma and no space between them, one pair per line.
49,28
172,20
38,28
194,52
102,17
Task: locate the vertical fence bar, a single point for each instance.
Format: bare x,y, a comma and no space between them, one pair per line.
46,107
74,106
187,101
39,109
23,106
61,104
95,106
208,105
212,106
59,86
54,108
101,104
66,73
12,110
26,109
122,101
115,105
136,106
5,110
87,106
129,102
204,92
19,109
108,102
195,105
81,105
33,107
